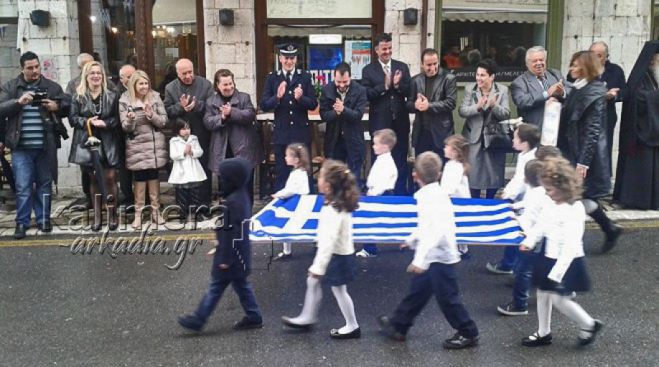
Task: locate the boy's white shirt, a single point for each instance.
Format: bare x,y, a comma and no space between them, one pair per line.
454,181
563,227
297,184
517,184
334,236
383,175
535,199
434,238
185,169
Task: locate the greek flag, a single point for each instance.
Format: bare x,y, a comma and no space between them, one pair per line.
381,219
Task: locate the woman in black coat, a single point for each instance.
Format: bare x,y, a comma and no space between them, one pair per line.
582,138
94,107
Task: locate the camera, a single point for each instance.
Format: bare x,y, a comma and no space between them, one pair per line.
38,96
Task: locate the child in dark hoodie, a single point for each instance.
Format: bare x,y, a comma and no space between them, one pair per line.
232,260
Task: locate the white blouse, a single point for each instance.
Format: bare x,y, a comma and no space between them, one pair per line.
454,182
517,185
334,236
563,227
383,175
297,184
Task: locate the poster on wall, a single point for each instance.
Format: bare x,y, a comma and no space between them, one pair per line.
49,68
358,55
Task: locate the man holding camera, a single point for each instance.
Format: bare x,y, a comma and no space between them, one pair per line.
30,110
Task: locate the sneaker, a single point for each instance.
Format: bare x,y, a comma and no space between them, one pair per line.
496,269
535,340
365,254
593,332
389,330
246,324
190,322
458,341
510,310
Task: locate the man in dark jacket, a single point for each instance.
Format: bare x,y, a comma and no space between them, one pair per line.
614,77
433,95
185,98
342,105
233,254
33,106
290,94
387,83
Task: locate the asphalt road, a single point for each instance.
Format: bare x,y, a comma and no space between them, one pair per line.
61,309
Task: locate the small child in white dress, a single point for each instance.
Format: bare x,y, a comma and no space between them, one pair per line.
187,173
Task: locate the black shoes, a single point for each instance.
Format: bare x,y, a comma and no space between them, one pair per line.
535,340
246,324
20,232
190,322
45,227
509,309
355,334
458,341
593,332
611,238
390,330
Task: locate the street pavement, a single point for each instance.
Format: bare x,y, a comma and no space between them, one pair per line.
63,309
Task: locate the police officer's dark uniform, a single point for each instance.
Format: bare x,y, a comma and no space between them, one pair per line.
291,123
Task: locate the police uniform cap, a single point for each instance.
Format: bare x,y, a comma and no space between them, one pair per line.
288,49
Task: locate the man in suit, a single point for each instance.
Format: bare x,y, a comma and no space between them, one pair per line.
387,83
290,94
614,77
342,105
532,89
433,95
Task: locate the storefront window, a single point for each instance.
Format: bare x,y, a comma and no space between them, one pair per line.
655,23
113,30
174,36
501,31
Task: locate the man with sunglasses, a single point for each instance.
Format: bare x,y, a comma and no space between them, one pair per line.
290,94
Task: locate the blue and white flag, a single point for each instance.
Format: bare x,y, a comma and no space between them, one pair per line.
381,219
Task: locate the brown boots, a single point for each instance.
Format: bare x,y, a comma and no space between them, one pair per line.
154,195
139,190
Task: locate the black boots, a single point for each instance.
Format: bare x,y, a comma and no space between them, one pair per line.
611,230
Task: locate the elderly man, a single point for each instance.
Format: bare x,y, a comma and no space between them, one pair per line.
614,77
433,95
532,89
387,83
125,73
185,98
290,94
32,106
342,105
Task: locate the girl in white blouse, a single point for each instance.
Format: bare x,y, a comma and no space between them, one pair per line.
455,181
562,269
334,261
297,183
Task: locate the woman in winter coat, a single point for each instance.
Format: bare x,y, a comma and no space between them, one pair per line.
142,115
94,109
582,138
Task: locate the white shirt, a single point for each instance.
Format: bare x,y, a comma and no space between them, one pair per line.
454,182
533,203
334,236
516,187
185,169
434,239
383,175
385,65
297,184
563,227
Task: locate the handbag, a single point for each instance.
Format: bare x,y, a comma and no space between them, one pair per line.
496,137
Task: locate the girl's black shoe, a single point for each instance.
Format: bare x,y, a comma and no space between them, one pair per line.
535,340
585,341
355,334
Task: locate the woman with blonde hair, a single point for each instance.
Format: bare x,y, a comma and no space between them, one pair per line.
94,114
142,115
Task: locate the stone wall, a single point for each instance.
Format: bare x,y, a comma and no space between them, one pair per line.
406,39
9,64
231,47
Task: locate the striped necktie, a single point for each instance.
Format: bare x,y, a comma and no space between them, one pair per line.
545,83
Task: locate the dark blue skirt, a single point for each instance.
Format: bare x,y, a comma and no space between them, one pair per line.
341,270
575,279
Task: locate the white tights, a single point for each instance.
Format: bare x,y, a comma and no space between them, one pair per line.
566,306
287,248
312,298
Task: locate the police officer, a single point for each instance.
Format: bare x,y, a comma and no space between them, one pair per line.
290,94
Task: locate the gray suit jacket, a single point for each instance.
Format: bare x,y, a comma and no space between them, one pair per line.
442,101
527,93
473,128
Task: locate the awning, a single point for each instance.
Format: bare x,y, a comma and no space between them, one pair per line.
495,15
